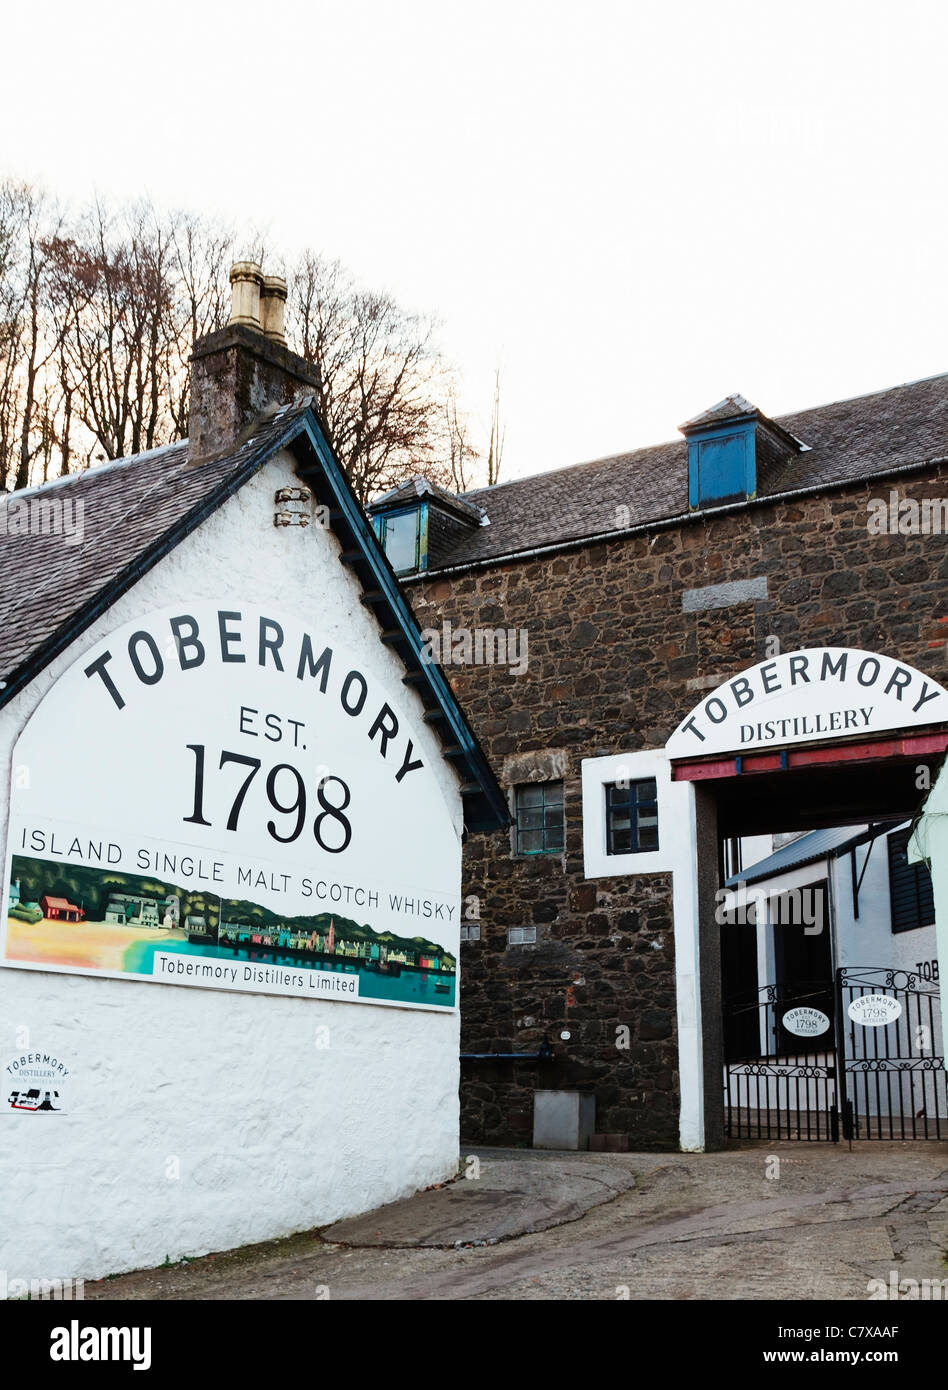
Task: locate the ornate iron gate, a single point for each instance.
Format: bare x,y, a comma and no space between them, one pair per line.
892,1055
812,1062
781,1084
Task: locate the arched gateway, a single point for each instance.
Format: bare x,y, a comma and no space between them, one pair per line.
813,1009
783,801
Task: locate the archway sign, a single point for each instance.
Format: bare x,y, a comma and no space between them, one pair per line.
815,694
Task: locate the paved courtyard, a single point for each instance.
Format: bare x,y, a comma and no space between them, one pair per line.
786,1221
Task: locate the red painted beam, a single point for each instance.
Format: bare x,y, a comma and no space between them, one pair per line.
799,756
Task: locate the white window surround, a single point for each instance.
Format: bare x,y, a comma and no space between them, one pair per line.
675,814
677,854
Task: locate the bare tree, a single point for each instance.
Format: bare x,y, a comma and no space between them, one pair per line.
10,328
99,313
498,434
202,253
463,456
27,341
113,295
381,381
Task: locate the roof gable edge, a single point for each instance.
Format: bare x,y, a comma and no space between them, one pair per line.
485,806
148,557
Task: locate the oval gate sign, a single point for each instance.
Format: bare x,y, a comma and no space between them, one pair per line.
874,1010
805,1022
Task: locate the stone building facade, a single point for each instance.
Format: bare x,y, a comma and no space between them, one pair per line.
638,599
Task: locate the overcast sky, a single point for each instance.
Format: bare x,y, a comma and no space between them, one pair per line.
635,208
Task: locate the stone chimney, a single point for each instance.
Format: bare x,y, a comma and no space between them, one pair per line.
245,368
272,305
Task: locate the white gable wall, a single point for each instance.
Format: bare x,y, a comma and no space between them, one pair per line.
202,1119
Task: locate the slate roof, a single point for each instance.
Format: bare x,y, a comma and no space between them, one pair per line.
728,409
847,441
419,487
128,509
134,511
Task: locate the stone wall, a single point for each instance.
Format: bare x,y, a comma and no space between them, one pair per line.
617,656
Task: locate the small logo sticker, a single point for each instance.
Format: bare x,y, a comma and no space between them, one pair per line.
34,1083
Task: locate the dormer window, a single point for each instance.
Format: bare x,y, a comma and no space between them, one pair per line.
734,452
722,467
418,524
403,535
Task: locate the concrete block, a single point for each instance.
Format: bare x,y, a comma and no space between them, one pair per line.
563,1119
609,1143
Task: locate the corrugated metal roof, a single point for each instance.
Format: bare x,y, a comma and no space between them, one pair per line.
817,844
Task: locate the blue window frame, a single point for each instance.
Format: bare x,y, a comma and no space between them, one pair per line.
539,826
403,535
632,817
722,465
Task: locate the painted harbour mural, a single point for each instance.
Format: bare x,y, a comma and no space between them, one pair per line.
90,919
230,819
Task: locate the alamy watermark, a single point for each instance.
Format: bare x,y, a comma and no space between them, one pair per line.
907,516
43,515
39,1289
479,646
794,907
910,1290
